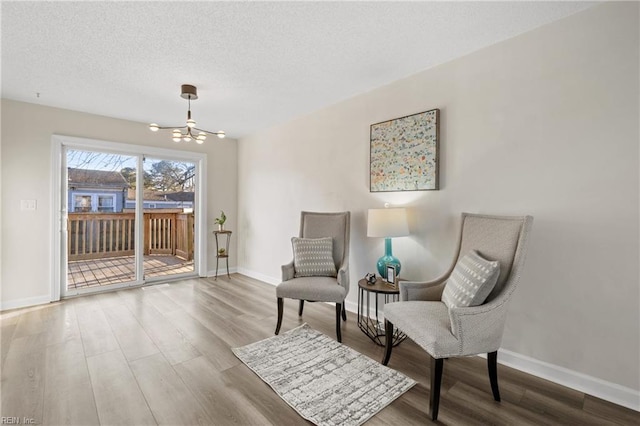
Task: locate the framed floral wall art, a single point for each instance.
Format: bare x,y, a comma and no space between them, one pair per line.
404,153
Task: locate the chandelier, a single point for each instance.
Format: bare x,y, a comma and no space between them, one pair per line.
189,131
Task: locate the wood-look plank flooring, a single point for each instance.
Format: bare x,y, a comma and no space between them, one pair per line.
161,355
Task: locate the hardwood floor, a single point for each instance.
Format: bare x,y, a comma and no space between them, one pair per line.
161,355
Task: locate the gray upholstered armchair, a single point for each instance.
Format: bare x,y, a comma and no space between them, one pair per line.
332,287
460,331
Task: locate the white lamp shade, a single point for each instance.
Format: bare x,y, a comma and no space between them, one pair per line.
387,223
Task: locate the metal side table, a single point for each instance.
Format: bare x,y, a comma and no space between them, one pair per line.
374,326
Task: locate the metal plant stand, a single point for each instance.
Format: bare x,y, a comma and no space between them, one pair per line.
225,255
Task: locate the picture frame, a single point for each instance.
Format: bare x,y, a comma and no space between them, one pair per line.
404,153
391,275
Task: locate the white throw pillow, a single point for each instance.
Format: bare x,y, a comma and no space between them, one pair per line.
313,257
471,281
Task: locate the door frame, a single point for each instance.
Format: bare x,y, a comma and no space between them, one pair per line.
59,193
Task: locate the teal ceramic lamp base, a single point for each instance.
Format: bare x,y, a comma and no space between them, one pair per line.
387,259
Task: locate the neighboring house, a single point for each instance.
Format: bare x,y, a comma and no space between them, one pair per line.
108,192
160,200
96,191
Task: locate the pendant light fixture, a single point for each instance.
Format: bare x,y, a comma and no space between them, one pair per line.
189,131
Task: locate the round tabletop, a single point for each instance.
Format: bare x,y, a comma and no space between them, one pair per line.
381,286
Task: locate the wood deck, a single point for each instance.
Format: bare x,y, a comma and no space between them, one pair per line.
100,272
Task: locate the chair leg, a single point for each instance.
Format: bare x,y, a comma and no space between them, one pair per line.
492,364
338,313
300,308
437,365
344,312
280,309
388,341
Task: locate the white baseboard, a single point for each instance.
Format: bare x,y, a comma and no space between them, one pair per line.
222,271
258,276
599,388
351,306
23,303
593,386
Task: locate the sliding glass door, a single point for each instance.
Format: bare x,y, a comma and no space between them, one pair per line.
127,218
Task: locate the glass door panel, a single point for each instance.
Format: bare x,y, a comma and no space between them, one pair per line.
169,197
101,225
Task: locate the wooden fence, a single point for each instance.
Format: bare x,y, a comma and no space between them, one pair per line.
102,235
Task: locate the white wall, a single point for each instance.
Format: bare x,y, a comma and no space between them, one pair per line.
543,124
26,174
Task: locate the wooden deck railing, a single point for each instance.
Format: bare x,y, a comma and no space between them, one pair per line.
101,235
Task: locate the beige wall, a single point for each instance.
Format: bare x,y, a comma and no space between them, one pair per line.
543,124
26,174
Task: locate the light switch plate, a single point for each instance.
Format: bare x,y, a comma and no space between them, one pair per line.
28,204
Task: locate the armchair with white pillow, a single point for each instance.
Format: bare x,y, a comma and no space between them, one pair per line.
463,312
319,271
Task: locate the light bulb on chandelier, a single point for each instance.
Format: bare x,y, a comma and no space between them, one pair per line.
184,133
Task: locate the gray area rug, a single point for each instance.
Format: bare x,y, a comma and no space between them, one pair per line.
326,382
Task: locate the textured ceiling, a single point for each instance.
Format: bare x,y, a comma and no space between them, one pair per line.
255,64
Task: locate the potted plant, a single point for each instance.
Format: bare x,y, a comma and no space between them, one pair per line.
221,220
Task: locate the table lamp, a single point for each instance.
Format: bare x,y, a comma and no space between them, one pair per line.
387,223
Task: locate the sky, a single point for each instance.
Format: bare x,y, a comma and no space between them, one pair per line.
79,159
